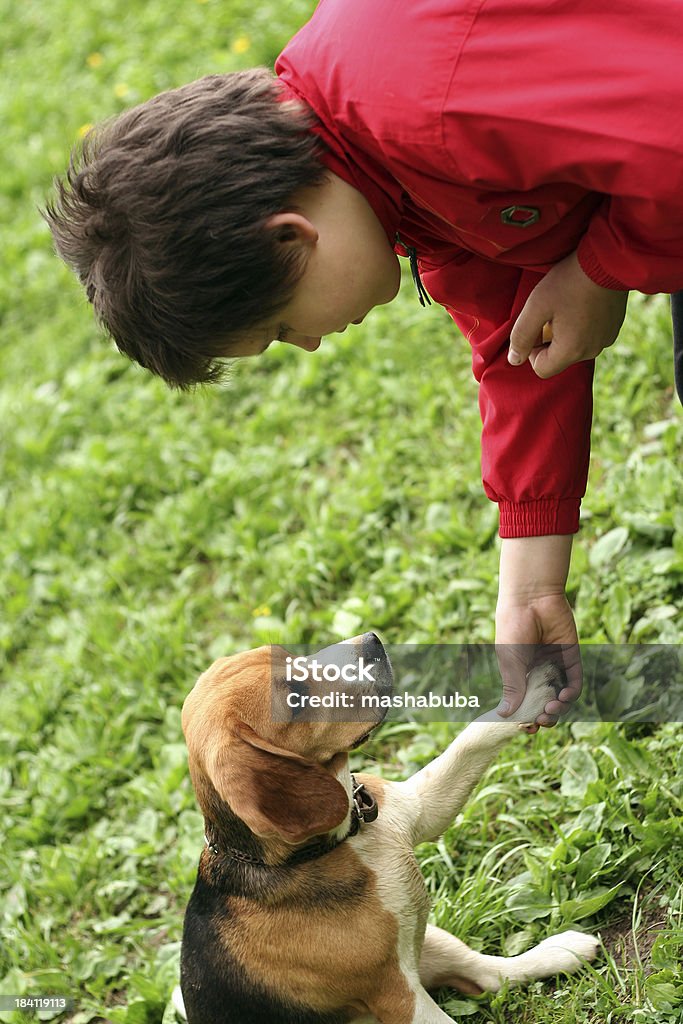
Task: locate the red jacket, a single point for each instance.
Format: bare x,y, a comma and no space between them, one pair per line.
447,114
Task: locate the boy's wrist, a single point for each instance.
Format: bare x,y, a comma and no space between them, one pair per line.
532,568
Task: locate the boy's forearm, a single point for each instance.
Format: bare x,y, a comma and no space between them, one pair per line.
533,567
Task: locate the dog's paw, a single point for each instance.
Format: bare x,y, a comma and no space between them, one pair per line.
543,684
567,951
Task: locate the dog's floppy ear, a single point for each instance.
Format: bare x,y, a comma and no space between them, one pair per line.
274,791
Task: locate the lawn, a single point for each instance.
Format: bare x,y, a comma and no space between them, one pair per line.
145,532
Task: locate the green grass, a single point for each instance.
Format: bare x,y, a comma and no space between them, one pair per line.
145,532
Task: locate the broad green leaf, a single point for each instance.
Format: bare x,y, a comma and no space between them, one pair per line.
629,756
608,547
580,770
346,623
664,990
591,862
617,612
529,904
518,942
462,1007
586,906
618,696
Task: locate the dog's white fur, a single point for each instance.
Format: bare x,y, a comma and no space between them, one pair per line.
421,809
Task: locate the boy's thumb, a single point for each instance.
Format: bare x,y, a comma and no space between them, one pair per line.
522,339
513,675
527,334
516,358
511,700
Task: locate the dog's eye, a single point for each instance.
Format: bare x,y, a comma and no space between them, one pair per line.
290,694
297,706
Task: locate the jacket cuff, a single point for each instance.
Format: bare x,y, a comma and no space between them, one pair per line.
591,266
539,518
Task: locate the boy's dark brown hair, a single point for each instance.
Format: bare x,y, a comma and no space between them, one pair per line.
162,216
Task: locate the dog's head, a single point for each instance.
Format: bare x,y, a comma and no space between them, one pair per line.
249,748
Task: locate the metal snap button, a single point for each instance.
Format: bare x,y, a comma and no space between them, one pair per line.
520,216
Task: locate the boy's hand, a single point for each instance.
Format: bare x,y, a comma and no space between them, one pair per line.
583,317
534,622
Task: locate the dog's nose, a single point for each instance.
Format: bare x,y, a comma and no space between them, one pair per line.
367,641
366,646
372,644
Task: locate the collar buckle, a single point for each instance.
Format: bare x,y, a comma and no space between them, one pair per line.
364,804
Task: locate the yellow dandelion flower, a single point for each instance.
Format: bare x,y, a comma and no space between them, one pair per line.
262,609
83,130
241,44
94,60
121,90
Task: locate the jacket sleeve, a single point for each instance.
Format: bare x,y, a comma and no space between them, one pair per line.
589,96
535,433
635,243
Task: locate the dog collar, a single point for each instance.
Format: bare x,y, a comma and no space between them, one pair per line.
364,809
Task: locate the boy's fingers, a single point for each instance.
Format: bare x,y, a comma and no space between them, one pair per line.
552,358
526,335
549,361
571,658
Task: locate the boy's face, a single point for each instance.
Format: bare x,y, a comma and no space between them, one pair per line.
350,267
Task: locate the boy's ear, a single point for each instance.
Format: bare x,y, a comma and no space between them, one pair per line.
292,228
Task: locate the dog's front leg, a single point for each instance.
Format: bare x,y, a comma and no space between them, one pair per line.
434,795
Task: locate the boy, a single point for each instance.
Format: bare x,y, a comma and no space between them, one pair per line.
515,150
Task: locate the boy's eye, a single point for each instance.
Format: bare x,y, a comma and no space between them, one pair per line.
282,333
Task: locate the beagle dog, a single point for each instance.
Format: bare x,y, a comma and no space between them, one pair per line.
309,905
